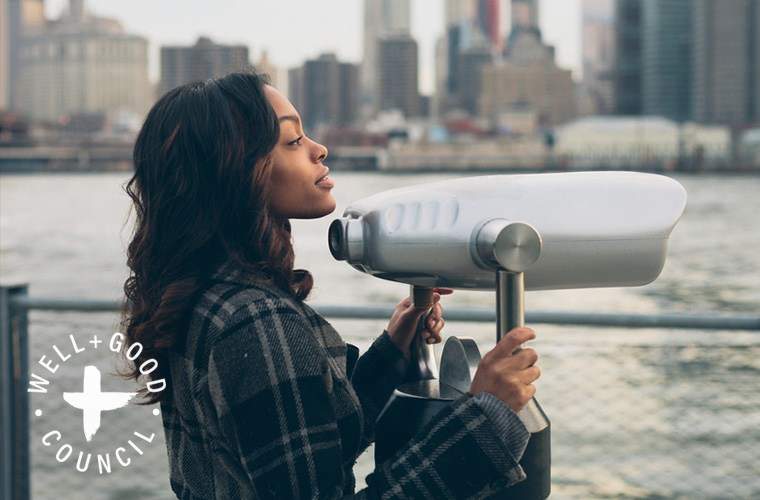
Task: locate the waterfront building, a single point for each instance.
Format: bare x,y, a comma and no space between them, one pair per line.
325,91
628,46
598,54
398,78
666,58
725,87
381,18
206,59
81,63
528,76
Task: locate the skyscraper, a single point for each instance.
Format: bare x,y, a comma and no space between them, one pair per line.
21,18
80,63
381,18
598,53
628,54
527,79
524,14
205,59
264,65
667,58
724,85
754,57
325,91
470,67
458,11
489,21
398,89
4,56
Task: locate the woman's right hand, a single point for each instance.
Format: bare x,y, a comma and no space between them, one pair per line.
506,374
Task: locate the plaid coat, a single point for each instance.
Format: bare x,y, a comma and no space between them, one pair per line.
267,401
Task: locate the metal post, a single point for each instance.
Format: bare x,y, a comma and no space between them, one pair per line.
14,399
536,461
510,301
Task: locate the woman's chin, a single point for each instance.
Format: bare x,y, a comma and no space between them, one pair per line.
323,210
330,207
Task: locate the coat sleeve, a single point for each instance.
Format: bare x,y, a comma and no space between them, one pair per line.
377,373
270,388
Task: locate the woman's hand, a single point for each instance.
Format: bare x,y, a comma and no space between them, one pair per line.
403,323
506,374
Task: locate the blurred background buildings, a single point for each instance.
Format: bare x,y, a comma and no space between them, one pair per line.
687,65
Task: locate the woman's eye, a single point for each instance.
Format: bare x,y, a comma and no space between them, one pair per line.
297,142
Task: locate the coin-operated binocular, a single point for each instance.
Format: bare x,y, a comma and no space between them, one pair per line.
508,234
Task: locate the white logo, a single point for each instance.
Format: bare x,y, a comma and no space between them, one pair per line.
93,402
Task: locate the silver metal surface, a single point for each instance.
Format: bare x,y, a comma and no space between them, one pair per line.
459,362
597,229
429,389
510,301
510,314
511,245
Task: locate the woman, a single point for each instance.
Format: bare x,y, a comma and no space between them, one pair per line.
263,397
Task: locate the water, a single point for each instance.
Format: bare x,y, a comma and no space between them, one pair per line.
635,414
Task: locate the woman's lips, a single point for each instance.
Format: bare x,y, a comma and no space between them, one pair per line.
326,182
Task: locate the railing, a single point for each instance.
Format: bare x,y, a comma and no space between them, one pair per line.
15,304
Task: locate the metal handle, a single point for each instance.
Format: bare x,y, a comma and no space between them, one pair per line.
423,366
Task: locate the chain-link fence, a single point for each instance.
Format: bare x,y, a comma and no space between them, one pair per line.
636,413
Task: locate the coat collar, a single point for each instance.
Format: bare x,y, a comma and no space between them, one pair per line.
230,272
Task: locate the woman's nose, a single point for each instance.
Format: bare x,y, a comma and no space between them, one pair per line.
322,152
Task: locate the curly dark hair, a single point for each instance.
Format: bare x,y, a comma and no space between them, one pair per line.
200,192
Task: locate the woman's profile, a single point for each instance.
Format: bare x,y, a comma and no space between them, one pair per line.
264,399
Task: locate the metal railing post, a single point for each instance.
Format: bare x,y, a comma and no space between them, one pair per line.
14,399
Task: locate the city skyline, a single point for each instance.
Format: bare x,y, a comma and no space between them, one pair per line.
162,26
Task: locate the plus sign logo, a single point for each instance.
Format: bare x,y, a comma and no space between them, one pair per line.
93,401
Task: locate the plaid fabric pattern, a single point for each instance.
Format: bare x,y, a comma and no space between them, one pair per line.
267,401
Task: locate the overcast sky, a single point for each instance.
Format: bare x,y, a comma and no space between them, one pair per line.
296,30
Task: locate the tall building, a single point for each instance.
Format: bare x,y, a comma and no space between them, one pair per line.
205,59
381,18
325,91
470,67
5,85
296,90
489,21
598,53
21,18
754,20
539,87
527,79
667,58
725,58
398,89
458,11
80,63
461,37
264,65
628,58
524,14
348,109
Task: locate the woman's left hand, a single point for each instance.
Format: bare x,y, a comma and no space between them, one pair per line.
403,323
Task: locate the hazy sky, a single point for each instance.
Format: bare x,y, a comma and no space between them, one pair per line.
295,30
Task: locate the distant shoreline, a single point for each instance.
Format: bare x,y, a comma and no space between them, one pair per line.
731,172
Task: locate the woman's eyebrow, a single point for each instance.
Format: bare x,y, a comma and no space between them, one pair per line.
293,118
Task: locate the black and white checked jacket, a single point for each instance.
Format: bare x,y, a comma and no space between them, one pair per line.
267,401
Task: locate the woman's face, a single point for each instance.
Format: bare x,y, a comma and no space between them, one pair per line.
296,167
